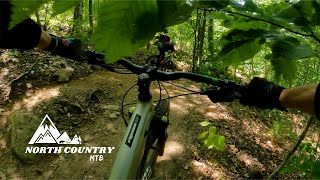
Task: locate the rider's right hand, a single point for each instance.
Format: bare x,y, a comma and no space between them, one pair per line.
259,93
263,94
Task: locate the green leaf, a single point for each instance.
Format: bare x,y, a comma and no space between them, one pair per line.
212,140
215,141
203,135
204,123
221,143
284,68
61,6
249,25
173,12
291,48
21,10
236,52
218,15
275,8
125,26
302,8
301,13
212,130
239,35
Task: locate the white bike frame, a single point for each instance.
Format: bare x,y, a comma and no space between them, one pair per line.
131,150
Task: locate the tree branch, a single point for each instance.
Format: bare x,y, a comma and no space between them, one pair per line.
290,153
275,24
23,74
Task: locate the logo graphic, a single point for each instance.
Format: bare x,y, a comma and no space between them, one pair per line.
48,133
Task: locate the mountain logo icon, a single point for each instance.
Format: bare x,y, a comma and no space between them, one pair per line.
47,133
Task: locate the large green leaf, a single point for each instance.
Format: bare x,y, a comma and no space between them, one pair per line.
285,51
284,68
301,13
174,12
301,8
218,15
236,52
125,26
21,10
247,25
61,6
290,48
240,35
275,8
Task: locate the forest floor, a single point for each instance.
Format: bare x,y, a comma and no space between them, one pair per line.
84,99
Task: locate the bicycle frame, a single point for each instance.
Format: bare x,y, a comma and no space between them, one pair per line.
132,146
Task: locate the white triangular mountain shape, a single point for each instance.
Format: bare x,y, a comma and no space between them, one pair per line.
47,137
46,132
76,140
64,139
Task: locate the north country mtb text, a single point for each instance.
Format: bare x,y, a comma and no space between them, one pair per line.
69,150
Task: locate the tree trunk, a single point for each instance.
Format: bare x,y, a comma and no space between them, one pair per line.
210,39
77,18
45,26
38,18
90,18
201,38
195,46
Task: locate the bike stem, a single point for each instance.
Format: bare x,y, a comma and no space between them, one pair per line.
144,87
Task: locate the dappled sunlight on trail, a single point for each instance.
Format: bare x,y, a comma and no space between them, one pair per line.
172,149
33,98
208,171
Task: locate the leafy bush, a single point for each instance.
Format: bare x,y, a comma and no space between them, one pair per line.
211,139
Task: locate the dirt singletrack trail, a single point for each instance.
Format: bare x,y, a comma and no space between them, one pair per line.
87,104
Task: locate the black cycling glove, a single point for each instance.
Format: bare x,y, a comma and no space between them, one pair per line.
259,93
263,94
69,48
220,94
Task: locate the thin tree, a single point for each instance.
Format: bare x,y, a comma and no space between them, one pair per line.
77,18
38,18
210,38
90,18
201,38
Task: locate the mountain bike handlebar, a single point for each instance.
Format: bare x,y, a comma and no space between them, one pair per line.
167,76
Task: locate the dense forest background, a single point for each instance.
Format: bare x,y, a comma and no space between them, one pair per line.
228,39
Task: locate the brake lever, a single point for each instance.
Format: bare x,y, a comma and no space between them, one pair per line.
208,91
95,58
